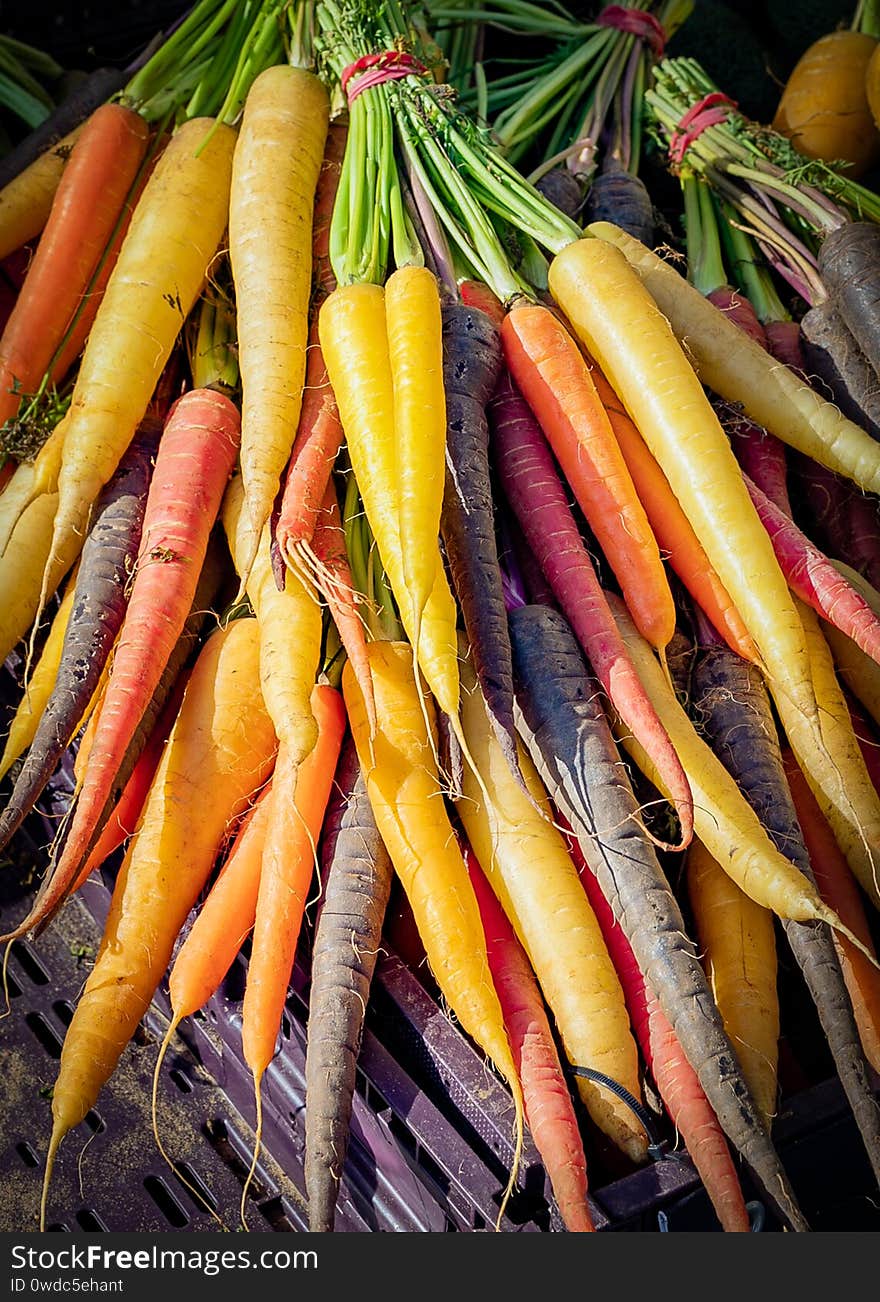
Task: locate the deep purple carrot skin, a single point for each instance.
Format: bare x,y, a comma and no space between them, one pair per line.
739,311
763,458
565,730
839,369
813,577
848,261
471,364
618,196
356,878
784,342
99,603
732,708
532,486
838,515
563,190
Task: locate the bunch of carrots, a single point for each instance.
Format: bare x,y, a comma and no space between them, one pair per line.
323,519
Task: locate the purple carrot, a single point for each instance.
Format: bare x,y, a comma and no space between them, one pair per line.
532,486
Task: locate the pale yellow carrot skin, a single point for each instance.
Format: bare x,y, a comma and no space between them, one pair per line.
616,317
837,775
29,480
22,566
276,166
220,751
406,798
290,624
528,866
738,947
174,234
739,369
723,819
25,203
354,340
26,719
415,349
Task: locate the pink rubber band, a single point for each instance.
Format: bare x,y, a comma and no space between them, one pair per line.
374,69
707,112
637,23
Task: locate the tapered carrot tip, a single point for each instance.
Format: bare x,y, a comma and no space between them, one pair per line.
258,1134
59,1130
824,914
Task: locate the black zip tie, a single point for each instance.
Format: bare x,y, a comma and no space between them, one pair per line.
657,1147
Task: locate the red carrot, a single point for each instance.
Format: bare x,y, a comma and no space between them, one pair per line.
814,578
535,493
475,294
196,454
96,180
679,1086
548,1106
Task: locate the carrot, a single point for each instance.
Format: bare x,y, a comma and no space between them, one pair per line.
763,460
837,775
735,715
529,868
26,719
738,369
839,890
678,543
99,607
548,1107
814,578
405,795
71,112
838,368
277,162
126,812
471,364
548,368
26,200
415,351
221,750
723,819
319,433
666,402
295,814
356,883
173,235
290,630
23,560
332,574
477,295
30,480
616,195
839,517
196,453
677,1082
569,740
354,339
528,475
847,259
103,165
739,953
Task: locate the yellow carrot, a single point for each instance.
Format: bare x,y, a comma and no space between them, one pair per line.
290,624
354,340
21,567
738,945
527,864
615,316
737,368
174,234
405,795
26,201
26,719
275,171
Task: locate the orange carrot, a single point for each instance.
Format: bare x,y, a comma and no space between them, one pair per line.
839,890
548,1106
101,169
548,367
672,529
195,457
296,813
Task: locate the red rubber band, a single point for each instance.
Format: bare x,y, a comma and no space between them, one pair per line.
637,23
374,69
707,112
